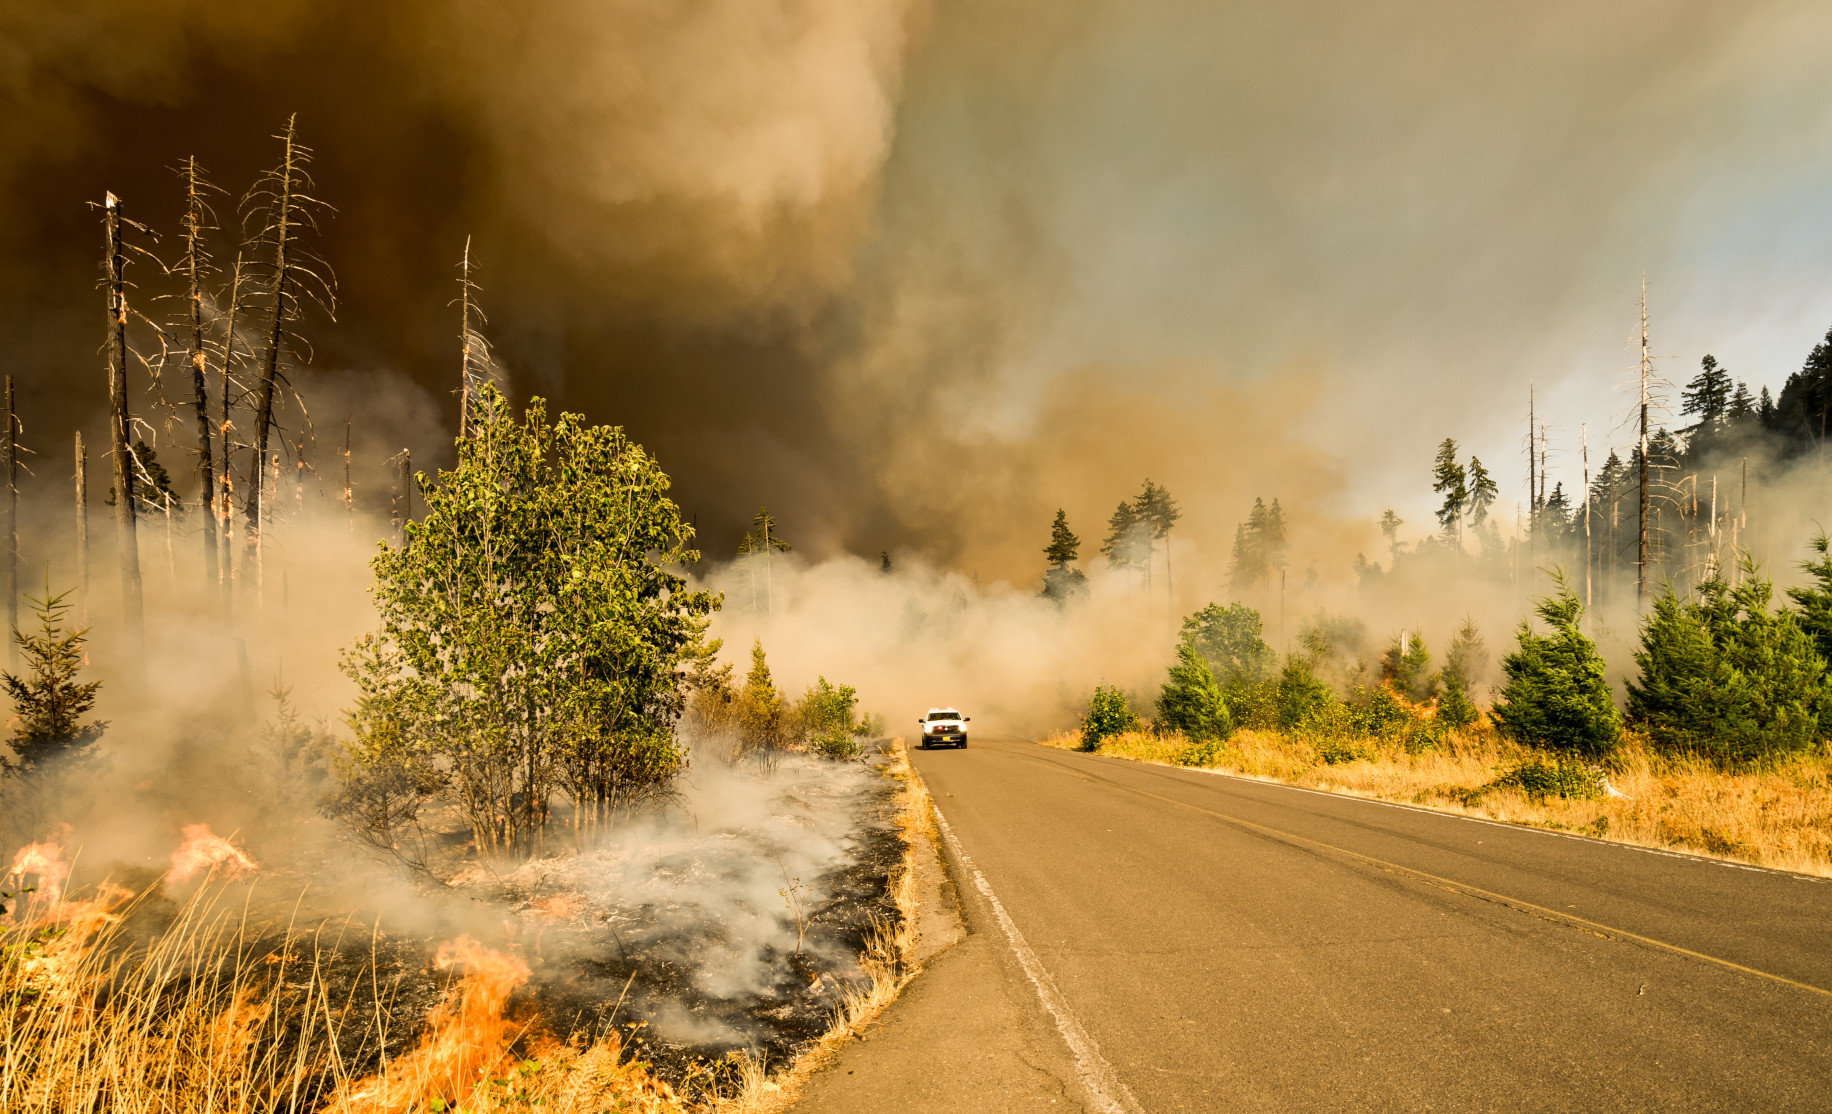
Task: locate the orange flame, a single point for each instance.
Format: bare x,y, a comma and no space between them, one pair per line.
45,862
204,850
467,1037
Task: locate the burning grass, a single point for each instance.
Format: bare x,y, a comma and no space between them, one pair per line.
177,998
1778,817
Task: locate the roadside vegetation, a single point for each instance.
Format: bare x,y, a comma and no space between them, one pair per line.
1721,749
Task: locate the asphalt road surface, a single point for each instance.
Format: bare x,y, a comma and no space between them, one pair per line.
1145,938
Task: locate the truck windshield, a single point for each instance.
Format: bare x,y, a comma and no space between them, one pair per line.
944,715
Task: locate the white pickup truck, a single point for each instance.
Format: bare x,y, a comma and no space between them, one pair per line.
944,725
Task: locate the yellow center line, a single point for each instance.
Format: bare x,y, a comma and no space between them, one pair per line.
1604,930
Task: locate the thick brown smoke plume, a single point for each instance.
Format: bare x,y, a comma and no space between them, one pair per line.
907,271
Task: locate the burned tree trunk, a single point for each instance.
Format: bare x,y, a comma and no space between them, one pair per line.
118,427
281,229
403,497
464,336
194,265
9,463
1641,507
225,521
82,523
349,493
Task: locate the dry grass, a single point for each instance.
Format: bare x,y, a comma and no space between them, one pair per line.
210,1013
1778,817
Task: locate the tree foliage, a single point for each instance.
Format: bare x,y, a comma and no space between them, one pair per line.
1108,714
49,701
1556,696
1726,677
1229,639
1406,665
1061,582
532,630
1191,701
1449,480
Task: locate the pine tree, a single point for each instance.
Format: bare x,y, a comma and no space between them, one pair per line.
49,703
1407,666
1482,492
1465,667
1450,480
1273,535
1128,544
1061,582
1725,677
1815,599
1708,395
884,561
1191,701
1742,403
760,705
1556,695
1389,529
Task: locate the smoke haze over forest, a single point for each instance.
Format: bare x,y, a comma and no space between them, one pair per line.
916,274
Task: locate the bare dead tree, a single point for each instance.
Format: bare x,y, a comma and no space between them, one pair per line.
82,523
1584,449
115,261
475,351
349,492
284,209
226,485
9,462
199,219
403,496
1641,537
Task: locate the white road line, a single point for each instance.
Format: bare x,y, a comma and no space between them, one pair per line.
1107,1092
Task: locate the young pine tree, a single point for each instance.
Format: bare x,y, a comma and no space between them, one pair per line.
1556,696
1191,701
1725,677
1407,666
1465,667
49,702
1815,599
1061,582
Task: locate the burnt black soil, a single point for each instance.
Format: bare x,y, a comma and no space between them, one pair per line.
639,968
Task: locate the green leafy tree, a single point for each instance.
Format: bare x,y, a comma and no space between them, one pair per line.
828,718
49,701
1108,714
1230,640
1449,480
533,632
1556,696
1726,677
1061,581
1191,701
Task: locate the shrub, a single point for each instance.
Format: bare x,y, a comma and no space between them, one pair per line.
826,717
1558,778
1108,715
1556,696
1334,752
1202,752
1725,677
1379,712
1300,693
1465,668
1191,701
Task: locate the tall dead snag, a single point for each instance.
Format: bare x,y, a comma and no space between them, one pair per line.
226,392
283,208
82,523
1641,529
349,492
195,265
9,464
466,334
115,261
403,496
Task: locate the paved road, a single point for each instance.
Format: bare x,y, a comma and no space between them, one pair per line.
1143,938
